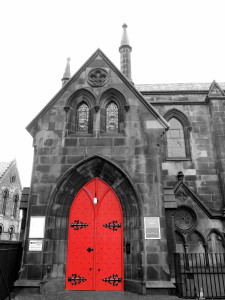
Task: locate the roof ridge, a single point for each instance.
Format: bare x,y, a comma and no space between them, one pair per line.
8,165
186,86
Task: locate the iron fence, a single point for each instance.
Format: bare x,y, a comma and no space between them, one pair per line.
10,259
200,275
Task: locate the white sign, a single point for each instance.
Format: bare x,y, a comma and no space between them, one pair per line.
35,245
152,228
37,227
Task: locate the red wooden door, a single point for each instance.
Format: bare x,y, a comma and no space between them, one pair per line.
95,240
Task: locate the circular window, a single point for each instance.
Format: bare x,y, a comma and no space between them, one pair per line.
185,218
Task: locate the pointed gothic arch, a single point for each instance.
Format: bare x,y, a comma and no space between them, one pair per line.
196,242
108,97
79,98
61,200
178,143
180,241
218,237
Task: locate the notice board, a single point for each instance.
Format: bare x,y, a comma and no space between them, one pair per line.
152,228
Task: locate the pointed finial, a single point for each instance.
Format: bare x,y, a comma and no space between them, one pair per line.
66,75
125,54
124,40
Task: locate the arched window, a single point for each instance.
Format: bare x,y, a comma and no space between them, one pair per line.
112,118
79,110
178,136
175,139
113,108
5,196
15,204
82,118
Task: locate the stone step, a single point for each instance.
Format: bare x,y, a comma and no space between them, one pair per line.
88,295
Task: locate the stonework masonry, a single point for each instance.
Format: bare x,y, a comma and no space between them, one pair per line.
185,193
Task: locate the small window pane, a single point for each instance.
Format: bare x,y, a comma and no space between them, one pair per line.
112,118
175,139
83,117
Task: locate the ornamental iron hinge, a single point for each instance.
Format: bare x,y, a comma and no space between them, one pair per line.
113,225
77,279
114,279
78,225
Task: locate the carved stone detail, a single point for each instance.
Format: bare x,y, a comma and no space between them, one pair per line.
184,218
127,107
181,196
97,77
96,107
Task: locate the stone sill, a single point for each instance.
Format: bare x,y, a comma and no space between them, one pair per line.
178,159
27,283
160,284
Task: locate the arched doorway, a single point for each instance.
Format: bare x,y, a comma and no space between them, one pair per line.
95,239
58,212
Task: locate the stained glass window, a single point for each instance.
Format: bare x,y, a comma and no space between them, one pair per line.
175,139
83,117
112,118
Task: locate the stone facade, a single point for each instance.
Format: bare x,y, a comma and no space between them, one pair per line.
10,196
185,193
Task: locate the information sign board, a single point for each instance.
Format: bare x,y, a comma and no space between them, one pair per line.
152,228
35,245
37,227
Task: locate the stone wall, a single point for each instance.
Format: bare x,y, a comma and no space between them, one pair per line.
129,161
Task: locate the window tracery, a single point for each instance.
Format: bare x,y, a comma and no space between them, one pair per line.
83,118
112,118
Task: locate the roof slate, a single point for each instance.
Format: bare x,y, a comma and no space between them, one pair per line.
175,87
3,167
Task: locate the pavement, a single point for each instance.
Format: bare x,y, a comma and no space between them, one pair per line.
88,295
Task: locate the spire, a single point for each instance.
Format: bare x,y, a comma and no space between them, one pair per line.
125,51
66,75
124,40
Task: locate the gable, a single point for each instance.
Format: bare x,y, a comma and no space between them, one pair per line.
185,196
215,91
97,74
10,175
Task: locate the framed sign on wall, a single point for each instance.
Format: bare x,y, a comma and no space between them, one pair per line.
37,228
152,228
35,245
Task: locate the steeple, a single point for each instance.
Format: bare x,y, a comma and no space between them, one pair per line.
125,57
66,75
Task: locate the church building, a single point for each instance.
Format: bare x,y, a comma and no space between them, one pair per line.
124,176
10,198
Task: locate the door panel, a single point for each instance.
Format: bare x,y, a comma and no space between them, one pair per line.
80,238
95,240
109,244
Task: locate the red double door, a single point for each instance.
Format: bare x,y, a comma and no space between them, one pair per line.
95,240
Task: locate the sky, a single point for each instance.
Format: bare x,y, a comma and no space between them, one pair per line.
173,41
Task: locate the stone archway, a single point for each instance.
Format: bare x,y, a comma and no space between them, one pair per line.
58,212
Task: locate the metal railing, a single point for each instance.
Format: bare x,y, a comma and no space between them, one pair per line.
10,260
200,275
